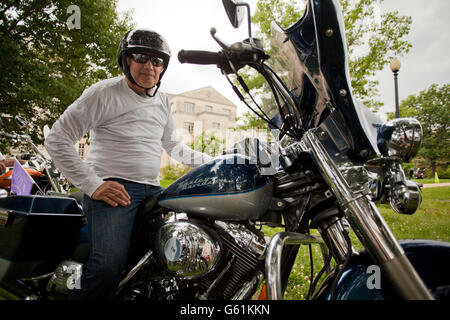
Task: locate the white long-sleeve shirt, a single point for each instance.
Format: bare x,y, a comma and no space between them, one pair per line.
127,132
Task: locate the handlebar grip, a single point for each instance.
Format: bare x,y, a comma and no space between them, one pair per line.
201,57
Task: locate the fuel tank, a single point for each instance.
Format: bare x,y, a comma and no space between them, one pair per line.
229,187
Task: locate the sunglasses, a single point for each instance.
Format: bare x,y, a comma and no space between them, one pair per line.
144,58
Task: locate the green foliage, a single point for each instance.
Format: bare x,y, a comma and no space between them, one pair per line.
173,172
166,182
45,65
372,41
249,120
443,173
208,142
432,108
372,44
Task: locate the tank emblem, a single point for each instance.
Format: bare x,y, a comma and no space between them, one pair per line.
199,182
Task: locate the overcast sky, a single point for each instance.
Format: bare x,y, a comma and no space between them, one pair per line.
186,25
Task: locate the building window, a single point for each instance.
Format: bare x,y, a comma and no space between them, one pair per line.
227,112
81,150
189,127
208,108
216,126
188,107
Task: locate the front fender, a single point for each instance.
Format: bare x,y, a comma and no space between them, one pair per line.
430,258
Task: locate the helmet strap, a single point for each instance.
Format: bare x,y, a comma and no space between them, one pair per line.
154,91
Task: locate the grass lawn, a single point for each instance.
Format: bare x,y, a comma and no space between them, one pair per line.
430,180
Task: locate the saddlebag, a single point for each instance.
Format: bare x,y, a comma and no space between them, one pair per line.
36,233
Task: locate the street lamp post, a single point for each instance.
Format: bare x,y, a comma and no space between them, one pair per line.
395,67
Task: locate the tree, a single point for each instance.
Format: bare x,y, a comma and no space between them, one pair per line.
50,52
249,120
372,40
432,108
208,142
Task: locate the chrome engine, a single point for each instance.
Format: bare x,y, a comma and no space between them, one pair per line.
220,257
188,250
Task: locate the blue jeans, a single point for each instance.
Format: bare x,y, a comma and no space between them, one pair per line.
109,236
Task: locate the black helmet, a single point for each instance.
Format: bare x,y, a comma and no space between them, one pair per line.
143,41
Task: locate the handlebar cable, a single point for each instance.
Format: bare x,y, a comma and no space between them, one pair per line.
247,90
312,287
280,109
293,126
242,98
326,264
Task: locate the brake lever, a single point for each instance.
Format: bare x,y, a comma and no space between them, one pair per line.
224,46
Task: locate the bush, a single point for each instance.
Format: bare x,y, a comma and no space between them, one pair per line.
174,172
443,173
406,166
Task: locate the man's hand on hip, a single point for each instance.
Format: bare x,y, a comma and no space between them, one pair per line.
113,193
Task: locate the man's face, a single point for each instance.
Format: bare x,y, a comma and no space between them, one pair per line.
145,74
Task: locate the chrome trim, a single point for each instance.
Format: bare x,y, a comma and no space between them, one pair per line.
188,250
333,230
368,224
403,138
405,197
274,255
249,288
38,278
3,193
144,261
205,295
244,237
67,276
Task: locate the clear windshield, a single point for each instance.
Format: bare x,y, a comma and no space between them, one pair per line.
311,59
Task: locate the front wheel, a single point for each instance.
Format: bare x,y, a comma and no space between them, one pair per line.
363,279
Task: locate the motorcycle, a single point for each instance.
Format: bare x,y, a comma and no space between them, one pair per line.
48,179
330,162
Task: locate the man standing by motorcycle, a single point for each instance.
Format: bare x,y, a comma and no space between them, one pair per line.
129,121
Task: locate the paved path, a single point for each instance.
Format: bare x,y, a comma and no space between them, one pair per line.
434,185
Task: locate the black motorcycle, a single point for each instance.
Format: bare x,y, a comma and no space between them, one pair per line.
331,160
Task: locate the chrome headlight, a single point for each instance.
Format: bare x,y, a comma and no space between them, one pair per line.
405,197
400,138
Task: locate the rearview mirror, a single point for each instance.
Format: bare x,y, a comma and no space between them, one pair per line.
235,11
